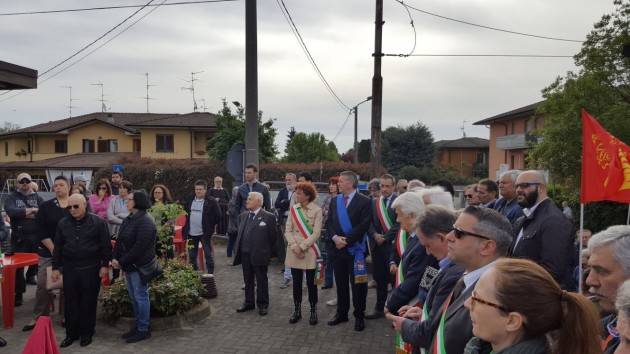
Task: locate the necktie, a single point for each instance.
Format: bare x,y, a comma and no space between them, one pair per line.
386,200
345,200
458,289
252,216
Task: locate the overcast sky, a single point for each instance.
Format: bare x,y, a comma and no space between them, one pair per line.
174,41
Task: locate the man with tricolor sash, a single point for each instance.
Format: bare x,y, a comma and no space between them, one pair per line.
382,232
418,325
346,234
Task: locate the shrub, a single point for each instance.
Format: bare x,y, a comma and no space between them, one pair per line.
176,291
321,172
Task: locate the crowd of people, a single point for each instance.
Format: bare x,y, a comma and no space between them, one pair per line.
506,273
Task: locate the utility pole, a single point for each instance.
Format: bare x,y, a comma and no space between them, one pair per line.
377,93
191,88
356,121
147,98
251,83
102,100
70,106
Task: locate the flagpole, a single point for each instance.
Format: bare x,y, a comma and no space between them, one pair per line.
628,217
580,252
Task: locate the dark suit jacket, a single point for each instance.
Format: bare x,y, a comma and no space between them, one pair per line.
263,232
420,334
210,216
546,240
359,211
420,269
243,191
375,226
457,326
282,202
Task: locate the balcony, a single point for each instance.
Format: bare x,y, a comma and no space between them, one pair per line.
512,142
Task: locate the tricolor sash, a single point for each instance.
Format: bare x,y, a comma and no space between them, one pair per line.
306,231
439,345
402,347
359,248
383,214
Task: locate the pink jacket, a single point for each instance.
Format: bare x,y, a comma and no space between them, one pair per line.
99,207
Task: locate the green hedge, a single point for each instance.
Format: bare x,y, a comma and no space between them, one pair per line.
321,172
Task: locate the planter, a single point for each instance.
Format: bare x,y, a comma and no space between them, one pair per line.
183,320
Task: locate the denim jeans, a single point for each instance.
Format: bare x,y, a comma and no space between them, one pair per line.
139,294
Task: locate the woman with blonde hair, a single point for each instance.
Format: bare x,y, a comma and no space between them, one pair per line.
518,308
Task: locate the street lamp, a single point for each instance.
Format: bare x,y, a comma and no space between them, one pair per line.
356,118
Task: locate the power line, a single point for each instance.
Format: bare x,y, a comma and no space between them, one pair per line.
413,27
487,27
96,40
107,8
296,32
342,126
481,55
89,53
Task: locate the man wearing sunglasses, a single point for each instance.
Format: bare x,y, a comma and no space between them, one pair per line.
22,206
543,234
479,237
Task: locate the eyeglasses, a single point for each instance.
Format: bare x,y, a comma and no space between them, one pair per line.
102,188
75,206
474,298
524,185
459,233
24,181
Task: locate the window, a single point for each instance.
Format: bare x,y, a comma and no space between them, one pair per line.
61,146
108,145
88,145
136,145
164,143
6,148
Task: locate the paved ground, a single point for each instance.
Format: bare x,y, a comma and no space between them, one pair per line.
225,331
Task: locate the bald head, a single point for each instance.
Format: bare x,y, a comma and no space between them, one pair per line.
77,205
530,188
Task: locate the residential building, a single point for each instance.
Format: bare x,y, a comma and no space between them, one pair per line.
468,156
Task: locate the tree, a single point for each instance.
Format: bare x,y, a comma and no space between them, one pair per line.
307,148
231,130
9,127
290,136
411,145
601,86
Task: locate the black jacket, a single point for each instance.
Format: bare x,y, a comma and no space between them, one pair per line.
15,205
82,243
532,346
376,227
420,270
48,216
546,240
359,211
210,216
135,245
243,191
262,231
420,334
457,324
282,202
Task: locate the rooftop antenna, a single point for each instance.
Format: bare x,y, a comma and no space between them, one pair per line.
70,106
147,97
204,107
191,88
102,100
463,128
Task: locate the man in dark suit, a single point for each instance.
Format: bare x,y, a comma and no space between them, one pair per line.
543,235
251,185
202,215
432,229
341,243
382,233
479,237
254,243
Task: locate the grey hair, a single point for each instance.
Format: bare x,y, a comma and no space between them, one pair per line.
409,203
512,173
436,219
291,174
438,196
375,183
353,177
256,195
493,225
415,184
618,236
623,299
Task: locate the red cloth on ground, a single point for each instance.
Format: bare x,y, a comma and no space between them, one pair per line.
42,340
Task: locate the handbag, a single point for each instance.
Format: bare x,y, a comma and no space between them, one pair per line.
50,284
150,270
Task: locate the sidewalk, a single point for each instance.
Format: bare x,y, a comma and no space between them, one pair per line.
225,331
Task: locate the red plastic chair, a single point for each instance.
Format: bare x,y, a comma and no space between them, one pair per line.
178,237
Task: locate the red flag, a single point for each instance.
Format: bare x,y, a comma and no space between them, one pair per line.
42,339
605,166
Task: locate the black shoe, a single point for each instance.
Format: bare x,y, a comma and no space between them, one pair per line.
337,320
138,336
31,280
66,342
245,308
3,342
85,341
262,310
297,312
129,333
18,300
28,327
375,315
313,319
326,287
359,324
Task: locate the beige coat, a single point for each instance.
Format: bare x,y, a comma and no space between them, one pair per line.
294,238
